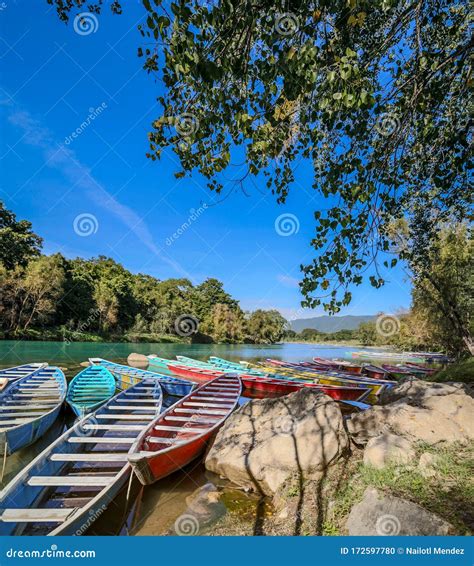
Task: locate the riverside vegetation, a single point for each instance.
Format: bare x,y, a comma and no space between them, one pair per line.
51,297
404,467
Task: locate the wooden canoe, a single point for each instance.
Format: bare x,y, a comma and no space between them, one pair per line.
10,375
29,406
180,434
90,389
276,387
71,483
200,375
376,372
127,376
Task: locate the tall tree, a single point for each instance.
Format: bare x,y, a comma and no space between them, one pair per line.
18,242
375,94
266,327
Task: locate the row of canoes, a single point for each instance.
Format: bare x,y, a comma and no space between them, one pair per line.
340,381
71,482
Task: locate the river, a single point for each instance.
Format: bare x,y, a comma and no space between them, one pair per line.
154,509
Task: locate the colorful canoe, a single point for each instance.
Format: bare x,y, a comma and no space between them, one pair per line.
90,389
180,434
29,406
276,387
9,375
65,489
127,376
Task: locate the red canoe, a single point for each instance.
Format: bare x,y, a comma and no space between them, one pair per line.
200,375
276,387
180,434
376,372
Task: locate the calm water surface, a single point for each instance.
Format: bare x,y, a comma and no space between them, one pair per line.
154,509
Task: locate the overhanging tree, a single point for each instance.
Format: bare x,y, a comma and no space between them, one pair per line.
374,93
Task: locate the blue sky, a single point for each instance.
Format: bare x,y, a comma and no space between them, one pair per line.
52,79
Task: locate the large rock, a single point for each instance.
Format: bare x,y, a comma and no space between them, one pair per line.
428,412
388,449
267,441
415,391
379,514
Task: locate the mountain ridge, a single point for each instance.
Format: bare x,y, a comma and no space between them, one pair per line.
329,324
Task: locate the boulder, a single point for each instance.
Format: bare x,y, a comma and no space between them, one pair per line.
385,515
415,391
267,441
388,449
429,412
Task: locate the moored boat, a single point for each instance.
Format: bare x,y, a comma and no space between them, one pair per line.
10,375
276,387
29,406
127,376
73,480
200,375
90,389
180,434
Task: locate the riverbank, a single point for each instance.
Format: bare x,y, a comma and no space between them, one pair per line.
401,469
64,335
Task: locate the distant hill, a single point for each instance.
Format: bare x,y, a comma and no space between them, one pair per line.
329,324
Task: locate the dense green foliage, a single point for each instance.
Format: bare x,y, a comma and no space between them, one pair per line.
373,93
51,297
18,243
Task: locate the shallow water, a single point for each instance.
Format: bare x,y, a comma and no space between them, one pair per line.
154,509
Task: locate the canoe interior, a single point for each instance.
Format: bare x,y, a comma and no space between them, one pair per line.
29,406
90,389
180,434
74,479
128,376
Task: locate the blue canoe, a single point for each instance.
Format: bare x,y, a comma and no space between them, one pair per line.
29,406
69,485
90,389
9,375
127,376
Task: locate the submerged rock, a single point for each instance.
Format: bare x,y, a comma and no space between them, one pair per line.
204,509
384,515
388,449
266,441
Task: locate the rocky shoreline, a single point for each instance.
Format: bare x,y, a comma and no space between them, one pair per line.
402,467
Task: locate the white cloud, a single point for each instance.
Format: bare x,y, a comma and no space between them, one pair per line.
67,162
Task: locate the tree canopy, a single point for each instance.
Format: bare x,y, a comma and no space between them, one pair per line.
375,94
18,242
